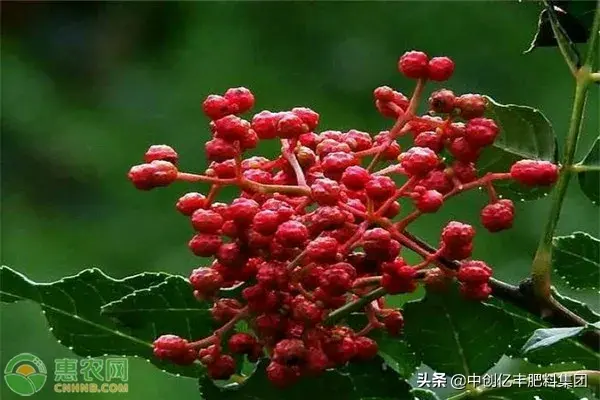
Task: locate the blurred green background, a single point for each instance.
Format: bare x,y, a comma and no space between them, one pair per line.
87,87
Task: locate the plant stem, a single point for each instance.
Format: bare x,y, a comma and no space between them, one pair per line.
355,305
541,270
579,168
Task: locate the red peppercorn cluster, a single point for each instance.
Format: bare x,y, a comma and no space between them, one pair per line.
318,231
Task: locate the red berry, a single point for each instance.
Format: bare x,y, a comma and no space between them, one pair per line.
376,240
308,116
206,221
355,177
465,172
222,368
430,201
291,234
161,152
534,172
225,309
272,275
380,188
306,311
384,93
241,97
476,292
498,216
392,150
398,277
206,281
266,222
219,150
216,107
205,245
316,361
242,343
289,352
322,249
281,375
335,281
481,132
440,68
437,281
366,348
437,180
174,349
419,161
457,234
471,105
394,322
265,124
190,202
290,125
325,192
242,211
334,164
430,140
458,252
231,128
155,174
413,64
357,140
474,272
442,101
463,151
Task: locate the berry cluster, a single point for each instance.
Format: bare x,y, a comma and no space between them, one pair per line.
313,234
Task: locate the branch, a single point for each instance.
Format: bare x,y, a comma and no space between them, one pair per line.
523,296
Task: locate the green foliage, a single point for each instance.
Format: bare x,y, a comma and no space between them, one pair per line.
576,258
525,133
589,181
456,336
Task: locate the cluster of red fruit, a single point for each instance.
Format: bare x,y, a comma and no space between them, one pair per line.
312,237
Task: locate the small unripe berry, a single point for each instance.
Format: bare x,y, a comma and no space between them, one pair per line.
216,107
430,201
534,172
206,221
291,234
419,161
380,187
205,245
413,64
355,177
161,152
440,68
241,97
190,202
442,101
498,216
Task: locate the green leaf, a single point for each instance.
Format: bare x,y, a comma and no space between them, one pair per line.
547,337
524,133
424,394
457,336
589,181
258,387
579,308
525,324
576,259
72,308
397,353
527,393
374,379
